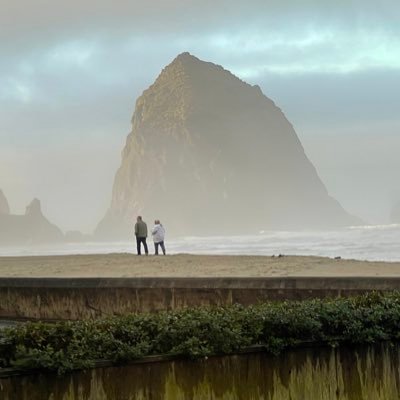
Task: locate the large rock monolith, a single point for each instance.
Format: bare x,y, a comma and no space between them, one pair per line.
210,154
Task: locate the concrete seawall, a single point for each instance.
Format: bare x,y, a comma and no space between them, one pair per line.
78,298
318,373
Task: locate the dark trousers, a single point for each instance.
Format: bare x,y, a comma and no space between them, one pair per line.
140,240
161,244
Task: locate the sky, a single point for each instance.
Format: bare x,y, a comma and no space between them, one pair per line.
70,72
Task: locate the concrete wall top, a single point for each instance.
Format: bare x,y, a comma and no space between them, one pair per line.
302,283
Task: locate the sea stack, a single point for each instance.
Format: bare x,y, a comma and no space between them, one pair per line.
4,207
31,228
395,216
209,154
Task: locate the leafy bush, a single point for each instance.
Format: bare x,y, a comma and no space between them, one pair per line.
199,332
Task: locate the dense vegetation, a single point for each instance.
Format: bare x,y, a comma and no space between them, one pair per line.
200,332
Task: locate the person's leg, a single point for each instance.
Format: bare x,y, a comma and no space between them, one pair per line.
143,241
138,245
156,248
163,247
145,246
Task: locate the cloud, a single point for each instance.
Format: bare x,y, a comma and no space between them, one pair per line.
307,51
46,21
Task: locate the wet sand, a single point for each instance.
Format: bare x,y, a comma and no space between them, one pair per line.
185,265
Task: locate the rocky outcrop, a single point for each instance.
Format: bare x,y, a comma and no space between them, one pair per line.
31,228
4,207
77,237
210,154
395,215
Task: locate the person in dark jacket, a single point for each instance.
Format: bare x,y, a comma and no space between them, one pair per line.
141,235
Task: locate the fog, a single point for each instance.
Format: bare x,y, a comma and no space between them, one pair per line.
70,75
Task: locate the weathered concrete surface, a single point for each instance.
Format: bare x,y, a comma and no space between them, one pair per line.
345,373
59,298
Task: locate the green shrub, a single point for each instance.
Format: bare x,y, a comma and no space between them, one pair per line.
199,332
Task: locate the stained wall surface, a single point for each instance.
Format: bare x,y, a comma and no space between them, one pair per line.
79,298
349,373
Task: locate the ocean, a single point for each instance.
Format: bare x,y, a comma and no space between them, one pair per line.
372,242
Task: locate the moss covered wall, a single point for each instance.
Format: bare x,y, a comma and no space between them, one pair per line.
367,373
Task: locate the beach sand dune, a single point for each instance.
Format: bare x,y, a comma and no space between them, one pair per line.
185,265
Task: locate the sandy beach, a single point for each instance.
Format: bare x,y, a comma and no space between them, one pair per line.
185,265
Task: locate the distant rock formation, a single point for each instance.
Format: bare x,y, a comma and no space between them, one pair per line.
4,207
210,154
34,210
395,216
31,228
77,237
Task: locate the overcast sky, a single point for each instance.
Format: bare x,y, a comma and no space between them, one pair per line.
70,72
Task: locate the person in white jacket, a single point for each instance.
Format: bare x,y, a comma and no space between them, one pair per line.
158,233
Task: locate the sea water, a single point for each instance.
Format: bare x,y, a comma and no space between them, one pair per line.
372,242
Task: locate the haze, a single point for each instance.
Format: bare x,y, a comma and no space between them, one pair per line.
70,74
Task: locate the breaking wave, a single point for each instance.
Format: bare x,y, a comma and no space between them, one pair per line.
373,242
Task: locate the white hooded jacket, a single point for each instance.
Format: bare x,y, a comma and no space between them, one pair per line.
158,233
